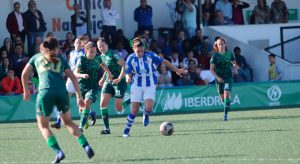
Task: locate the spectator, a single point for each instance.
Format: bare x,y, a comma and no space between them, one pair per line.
194,74
274,71
143,16
35,23
189,18
261,12
176,62
15,23
190,56
197,40
50,34
11,84
35,47
279,12
164,76
225,7
185,80
18,41
68,43
4,68
207,19
220,19
109,18
244,71
154,47
8,47
119,37
78,21
122,52
208,7
19,59
3,54
237,11
206,76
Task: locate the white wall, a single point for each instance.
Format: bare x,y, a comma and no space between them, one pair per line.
257,58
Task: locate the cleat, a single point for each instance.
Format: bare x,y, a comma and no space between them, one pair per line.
126,133
93,117
106,131
89,151
60,156
225,118
145,120
55,125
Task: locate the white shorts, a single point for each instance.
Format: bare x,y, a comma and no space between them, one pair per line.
138,94
70,86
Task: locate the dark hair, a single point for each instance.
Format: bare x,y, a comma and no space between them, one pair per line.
272,55
16,3
236,48
102,39
138,42
50,43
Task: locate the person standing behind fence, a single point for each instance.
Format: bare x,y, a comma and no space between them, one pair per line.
35,23
78,22
220,66
109,17
15,23
274,72
279,12
143,16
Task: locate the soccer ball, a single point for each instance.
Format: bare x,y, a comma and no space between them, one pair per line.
166,128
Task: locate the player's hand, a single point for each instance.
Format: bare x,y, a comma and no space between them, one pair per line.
101,82
116,81
128,79
85,76
80,103
26,96
220,80
181,71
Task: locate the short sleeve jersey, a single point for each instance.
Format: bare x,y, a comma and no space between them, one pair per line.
92,68
50,74
111,59
223,64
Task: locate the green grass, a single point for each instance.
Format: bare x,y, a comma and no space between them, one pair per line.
260,136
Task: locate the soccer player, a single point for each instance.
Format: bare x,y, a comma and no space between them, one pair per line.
117,87
141,67
220,66
52,91
87,72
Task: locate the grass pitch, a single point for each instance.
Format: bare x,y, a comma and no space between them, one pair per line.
260,136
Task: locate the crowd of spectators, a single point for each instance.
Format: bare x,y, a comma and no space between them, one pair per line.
184,46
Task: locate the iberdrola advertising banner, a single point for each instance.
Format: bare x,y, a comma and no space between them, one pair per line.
244,96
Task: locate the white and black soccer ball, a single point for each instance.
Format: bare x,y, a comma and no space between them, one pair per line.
166,128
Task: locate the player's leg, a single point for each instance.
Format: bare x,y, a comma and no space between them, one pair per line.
105,97
85,113
75,131
227,88
136,99
149,97
45,103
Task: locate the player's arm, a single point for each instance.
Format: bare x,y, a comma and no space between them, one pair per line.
212,70
173,68
101,81
122,73
25,74
104,66
128,78
70,74
77,74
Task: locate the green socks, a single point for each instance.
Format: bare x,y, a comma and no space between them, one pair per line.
84,117
226,106
52,143
104,114
82,141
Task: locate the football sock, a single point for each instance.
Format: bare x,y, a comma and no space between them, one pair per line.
104,114
82,141
52,143
226,106
58,120
146,113
130,121
83,118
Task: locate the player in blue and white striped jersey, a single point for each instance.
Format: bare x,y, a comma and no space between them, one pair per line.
140,71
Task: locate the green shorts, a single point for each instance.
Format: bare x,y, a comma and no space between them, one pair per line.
226,86
90,94
47,99
117,91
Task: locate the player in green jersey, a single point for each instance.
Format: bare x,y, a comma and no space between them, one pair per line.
52,92
220,66
117,87
87,72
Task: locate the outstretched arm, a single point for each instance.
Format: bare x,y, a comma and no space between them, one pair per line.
172,68
25,73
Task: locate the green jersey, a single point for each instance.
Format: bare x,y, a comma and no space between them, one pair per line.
50,74
223,64
92,68
111,59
